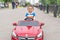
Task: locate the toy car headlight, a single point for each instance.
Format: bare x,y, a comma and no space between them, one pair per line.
13,33
39,35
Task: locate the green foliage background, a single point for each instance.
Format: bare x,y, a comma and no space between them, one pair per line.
58,2
42,1
5,0
1,0
50,2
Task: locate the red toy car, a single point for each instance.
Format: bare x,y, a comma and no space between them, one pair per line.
27,30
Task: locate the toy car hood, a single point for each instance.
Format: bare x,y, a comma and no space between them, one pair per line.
27,31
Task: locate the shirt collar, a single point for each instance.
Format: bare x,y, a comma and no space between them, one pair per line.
30,13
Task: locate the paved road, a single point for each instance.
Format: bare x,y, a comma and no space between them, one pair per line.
8,16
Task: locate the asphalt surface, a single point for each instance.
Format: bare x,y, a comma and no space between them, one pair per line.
8,16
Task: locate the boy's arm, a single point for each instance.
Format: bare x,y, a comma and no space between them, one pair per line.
26,14
34,14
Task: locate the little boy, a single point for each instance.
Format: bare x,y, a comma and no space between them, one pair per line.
30,14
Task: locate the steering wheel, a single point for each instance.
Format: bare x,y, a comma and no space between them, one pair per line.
28,19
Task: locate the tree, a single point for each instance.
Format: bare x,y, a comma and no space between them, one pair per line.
7,0
58,2
53,1
43,1
1,0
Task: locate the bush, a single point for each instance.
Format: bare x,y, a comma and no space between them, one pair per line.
27,3
49,2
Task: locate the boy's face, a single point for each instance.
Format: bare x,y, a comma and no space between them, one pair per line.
30,9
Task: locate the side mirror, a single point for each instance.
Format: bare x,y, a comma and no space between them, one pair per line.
41,25
14,24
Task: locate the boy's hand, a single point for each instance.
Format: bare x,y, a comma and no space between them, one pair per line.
31,17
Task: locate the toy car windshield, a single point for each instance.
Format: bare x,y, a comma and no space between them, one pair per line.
28,23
